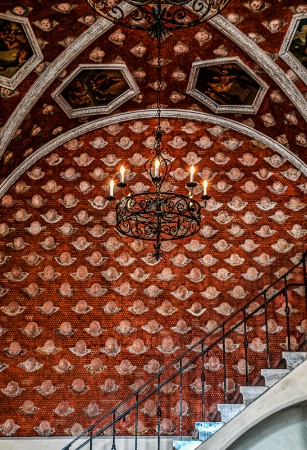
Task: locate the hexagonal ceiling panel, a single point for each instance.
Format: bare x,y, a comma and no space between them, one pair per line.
19,50
226,85
293,49
96,89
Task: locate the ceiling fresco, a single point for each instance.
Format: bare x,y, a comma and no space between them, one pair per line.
20,52
226,85
86,314
32,126
95,89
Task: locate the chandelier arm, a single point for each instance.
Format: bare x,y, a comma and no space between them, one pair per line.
158,216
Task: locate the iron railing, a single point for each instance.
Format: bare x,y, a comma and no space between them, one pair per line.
279,295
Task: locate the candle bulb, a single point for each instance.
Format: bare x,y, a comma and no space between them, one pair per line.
122,174
192,171
205,187
111,188
157,168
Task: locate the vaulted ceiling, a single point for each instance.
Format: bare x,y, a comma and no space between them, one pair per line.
56,166
67,41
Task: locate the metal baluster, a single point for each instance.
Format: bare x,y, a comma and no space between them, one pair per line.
180,399
224,364
203,383
268,359
287,310
159,413
91,439
136,429
245,347
114,432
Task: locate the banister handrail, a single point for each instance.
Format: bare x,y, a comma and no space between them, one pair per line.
204,350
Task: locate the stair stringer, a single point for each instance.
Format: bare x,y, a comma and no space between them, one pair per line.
289,391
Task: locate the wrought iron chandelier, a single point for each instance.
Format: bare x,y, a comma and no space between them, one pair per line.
158,17
158,215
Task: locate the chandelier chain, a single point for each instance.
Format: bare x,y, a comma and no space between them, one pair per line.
158,214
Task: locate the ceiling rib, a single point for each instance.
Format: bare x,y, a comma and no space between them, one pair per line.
148,114
99,28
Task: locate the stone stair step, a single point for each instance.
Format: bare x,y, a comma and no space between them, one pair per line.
250,393
186,445
294,359
272,376
203,430
229,411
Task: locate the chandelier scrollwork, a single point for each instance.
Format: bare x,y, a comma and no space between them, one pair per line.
158,17
157,214
160,215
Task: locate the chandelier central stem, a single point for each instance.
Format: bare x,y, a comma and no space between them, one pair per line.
158,214
159,86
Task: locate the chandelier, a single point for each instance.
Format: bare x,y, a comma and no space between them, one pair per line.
158,215
158,17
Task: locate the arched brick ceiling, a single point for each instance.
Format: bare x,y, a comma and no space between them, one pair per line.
54,53
245,243
23,110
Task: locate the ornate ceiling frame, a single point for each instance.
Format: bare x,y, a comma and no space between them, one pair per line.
36,58
43,82
285,53
149,114
92,110
203,98
99,28
264,61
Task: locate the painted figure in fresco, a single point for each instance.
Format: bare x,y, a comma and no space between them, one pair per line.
94,88
227,85
15,49
298,45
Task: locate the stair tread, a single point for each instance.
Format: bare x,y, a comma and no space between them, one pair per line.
186,444
203,425
204,430
273,376
253,388
233,405
229,411
294,359
251,393
295,353
275,371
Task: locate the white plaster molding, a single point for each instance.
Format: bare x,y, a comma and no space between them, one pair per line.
214,106
290,391
285,53
33,61
38,88
132,90
148,114
264,61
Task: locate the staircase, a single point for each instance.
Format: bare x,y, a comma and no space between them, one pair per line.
207,370
204,430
